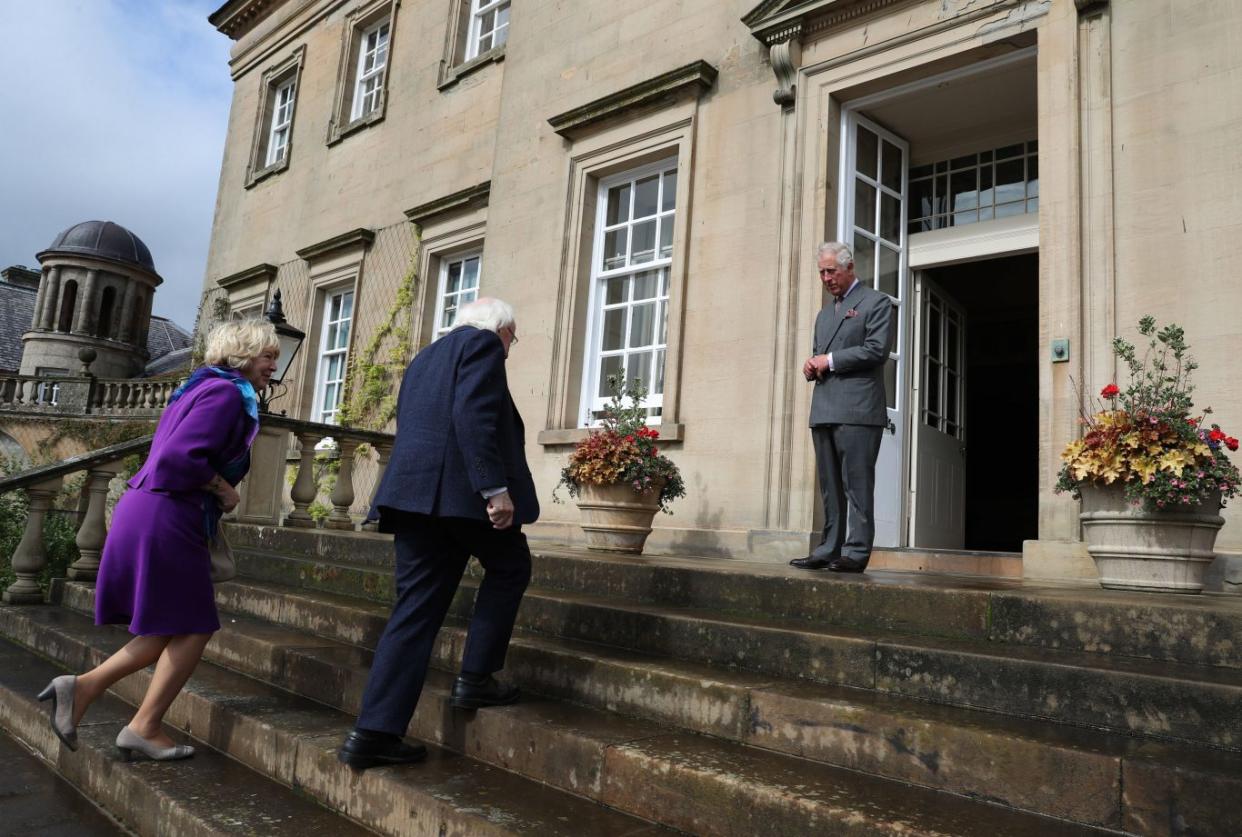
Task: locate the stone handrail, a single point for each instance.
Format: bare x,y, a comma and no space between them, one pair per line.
85,395
266,480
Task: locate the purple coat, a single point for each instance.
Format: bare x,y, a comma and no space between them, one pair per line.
155,571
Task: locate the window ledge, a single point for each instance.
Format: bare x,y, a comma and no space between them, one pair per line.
268,171
338,134
574,435
456,74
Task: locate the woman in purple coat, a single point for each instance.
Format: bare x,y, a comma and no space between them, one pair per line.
155,571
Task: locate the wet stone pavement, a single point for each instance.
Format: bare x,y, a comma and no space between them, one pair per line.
35,801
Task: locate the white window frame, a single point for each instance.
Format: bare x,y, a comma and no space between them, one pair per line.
591,401
322,413
460,295
497,35
282,121
364,76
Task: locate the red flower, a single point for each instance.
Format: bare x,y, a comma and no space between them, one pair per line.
656,451
1110,391
1217,435
1231,443
1194,422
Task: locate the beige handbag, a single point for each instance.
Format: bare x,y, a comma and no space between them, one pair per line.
223,568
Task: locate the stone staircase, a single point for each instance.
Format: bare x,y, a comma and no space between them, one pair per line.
708,697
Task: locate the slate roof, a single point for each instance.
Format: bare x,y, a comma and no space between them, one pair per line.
17,312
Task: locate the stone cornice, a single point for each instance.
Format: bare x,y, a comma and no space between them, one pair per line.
777,21
471,198
698,77
263,272
1085,6
359,237
236,17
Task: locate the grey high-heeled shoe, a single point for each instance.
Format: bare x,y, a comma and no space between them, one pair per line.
130,742
61,693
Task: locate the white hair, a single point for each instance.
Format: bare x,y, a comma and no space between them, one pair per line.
236,342
485,313
839,250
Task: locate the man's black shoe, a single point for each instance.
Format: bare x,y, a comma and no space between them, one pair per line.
846,565
364,748
810,562
472,693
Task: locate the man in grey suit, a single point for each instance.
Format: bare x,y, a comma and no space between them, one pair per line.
848,417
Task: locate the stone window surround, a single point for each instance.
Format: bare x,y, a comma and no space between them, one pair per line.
666,134
449,227
358,22
446,261
454,66
249,288
275,77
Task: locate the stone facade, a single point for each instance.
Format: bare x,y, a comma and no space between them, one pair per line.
1128,110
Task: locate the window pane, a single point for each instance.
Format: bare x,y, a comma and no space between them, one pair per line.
864,205
643,244
669,198
646,284
638,369
453,285
920,198
888,270
865,155
334,308
933,333
666,237
1004,210
607,367
663,338
646,196
950,396
969,161
931,390
964,188
333,372
642,326
614,248
890,218
347,306
890,166
614,329
1032,177
951,356
864,260
658,386
920,171
1010,181
618,205
616,290
471,274
330,342
1008,151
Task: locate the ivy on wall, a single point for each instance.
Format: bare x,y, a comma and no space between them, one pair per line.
375,374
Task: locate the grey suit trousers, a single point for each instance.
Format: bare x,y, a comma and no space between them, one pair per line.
845,456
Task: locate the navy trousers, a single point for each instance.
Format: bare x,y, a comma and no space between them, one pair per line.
431,556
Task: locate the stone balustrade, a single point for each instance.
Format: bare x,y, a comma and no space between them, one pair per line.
85,395
263,490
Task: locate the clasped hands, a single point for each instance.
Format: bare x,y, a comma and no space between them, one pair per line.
816,367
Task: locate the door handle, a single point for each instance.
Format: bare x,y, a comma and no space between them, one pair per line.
892,428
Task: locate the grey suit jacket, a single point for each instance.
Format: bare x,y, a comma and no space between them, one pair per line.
854,392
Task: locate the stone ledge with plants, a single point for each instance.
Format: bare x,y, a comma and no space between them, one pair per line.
1152,474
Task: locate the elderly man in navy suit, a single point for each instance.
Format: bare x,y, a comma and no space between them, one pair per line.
457,485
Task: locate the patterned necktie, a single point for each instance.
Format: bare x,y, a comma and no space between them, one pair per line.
837,305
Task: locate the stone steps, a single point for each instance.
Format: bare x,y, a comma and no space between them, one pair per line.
212,794
978,754
690,782
285,737
1196,630
34,800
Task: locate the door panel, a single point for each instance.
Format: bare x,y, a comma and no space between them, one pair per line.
872,215
940,447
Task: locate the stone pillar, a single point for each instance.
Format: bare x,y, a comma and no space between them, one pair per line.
41,298
304,486
84,323
343,493
144,321
92,531
125,332
30,557
51,297
264,487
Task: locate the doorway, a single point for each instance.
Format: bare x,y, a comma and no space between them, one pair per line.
976,434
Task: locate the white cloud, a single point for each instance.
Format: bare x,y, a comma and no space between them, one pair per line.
114,110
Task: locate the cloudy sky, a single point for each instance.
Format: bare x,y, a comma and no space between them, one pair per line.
114,110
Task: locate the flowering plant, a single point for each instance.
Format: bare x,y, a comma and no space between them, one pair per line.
1146,438
623,451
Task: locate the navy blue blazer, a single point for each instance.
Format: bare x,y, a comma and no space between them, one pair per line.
458,432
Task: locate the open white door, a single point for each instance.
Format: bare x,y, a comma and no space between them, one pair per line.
940,443
872,215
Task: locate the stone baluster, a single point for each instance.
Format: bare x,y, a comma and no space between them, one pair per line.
305,486
7,390
30,557
92,531
383,450
135,394
343,493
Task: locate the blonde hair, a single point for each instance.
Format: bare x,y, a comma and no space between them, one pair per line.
237,342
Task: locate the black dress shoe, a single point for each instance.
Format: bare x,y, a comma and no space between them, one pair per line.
846,565
469,693
810,562
364,748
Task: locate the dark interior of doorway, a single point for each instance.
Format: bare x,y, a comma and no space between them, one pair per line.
1001,298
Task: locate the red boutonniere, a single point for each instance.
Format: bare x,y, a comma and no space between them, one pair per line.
853,312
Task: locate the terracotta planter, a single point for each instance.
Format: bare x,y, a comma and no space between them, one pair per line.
616,518
1160,551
